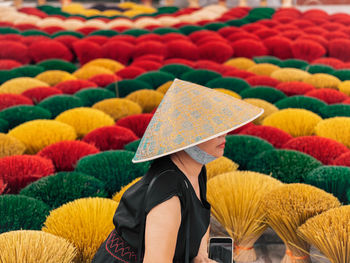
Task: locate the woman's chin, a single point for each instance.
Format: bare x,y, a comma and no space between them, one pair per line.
219,152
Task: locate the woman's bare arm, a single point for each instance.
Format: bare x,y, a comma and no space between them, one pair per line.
162,226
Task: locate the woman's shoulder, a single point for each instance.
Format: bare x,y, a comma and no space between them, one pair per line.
164,168
164,180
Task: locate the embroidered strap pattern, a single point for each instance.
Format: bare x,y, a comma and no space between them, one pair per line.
119,249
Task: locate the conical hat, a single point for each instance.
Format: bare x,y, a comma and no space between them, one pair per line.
190,114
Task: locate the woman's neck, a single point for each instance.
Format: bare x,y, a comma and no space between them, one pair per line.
187,165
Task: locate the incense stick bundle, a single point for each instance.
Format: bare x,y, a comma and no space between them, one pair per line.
288,207
236,199
35,246
84,222
330,233
219,166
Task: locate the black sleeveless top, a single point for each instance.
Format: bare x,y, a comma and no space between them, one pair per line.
127,217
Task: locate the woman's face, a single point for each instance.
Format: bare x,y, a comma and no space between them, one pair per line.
214,146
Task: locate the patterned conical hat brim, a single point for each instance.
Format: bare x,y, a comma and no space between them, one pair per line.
190,114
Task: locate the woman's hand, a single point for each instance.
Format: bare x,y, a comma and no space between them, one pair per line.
203,259
202,256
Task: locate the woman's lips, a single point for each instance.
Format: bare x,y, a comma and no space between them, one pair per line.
222,145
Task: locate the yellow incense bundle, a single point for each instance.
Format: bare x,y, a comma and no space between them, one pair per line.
85,222
35,246
236,199
288,207
330,233
219,166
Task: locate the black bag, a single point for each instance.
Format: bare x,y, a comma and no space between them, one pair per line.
118,250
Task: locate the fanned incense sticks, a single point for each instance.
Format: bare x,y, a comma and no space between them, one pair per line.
329,232
288,207
236,199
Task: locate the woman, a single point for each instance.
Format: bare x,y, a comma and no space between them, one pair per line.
165,216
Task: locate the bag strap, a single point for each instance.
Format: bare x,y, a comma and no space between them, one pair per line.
187,250
143,221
